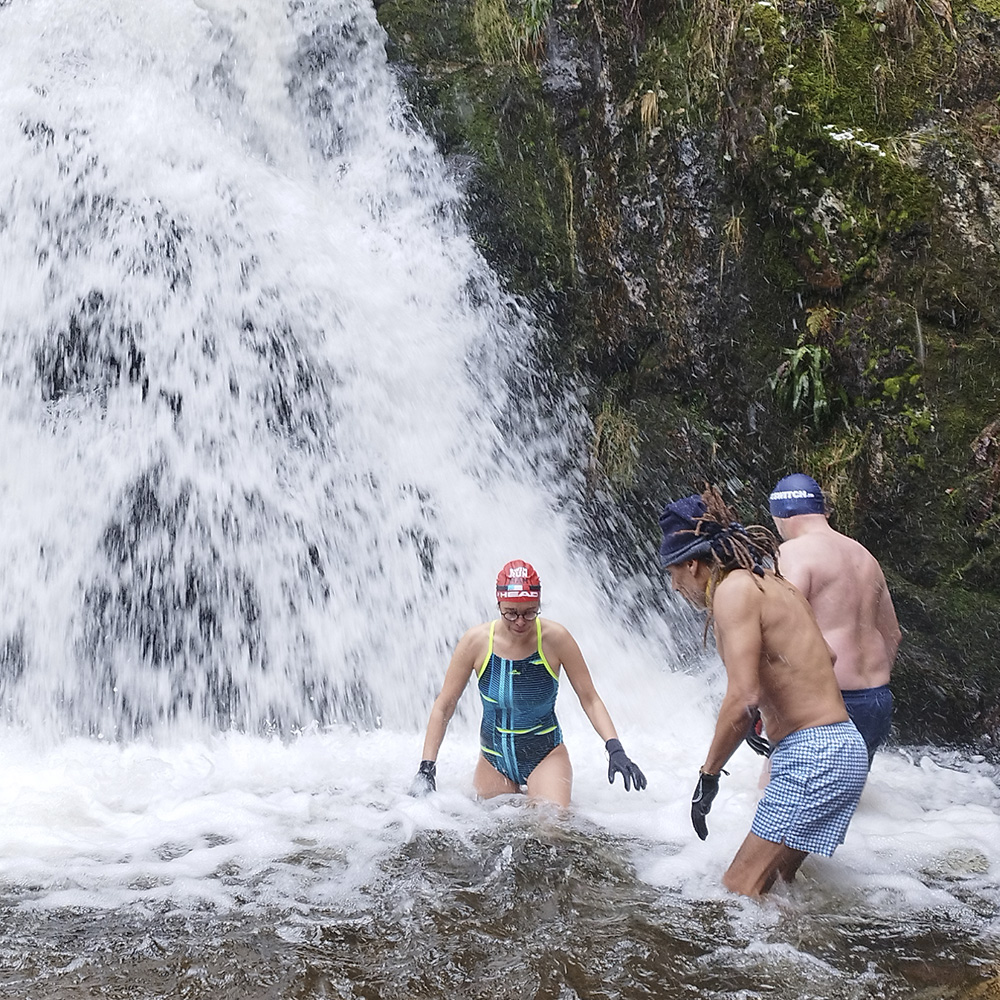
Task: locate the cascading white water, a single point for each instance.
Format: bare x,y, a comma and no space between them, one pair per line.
269,427
262,458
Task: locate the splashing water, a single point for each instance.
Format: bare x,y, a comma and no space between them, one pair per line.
254,375
269,428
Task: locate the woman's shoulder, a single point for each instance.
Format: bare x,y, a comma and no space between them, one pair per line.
476,634
554,634
472,646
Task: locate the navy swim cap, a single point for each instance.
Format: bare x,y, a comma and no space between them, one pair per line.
679,540
796,494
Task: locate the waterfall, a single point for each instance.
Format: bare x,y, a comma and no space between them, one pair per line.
269,423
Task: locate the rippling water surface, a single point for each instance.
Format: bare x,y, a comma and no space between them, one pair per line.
247,867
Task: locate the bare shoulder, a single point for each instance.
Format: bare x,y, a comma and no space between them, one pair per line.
804,548
558,644
480,631
738,594
853,545
802,560
737,584
473,640
836,554
555,634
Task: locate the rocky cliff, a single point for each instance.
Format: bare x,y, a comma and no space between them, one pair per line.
765,235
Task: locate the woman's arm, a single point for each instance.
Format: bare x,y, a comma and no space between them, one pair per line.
463,662
565,651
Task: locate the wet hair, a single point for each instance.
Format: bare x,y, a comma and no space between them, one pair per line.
730,545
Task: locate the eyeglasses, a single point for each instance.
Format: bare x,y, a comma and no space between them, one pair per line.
512,616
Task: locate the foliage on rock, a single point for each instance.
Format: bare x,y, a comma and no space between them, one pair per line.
766,235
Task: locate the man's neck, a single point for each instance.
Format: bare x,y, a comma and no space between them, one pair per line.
805,524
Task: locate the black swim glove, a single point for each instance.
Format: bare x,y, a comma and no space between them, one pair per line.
619,763
701,803
755,739
425,779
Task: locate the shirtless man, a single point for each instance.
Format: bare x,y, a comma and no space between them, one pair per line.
777,663
845,586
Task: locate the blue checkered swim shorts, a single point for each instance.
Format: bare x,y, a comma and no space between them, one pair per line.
817,775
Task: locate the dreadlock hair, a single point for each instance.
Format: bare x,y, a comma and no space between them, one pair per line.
731,545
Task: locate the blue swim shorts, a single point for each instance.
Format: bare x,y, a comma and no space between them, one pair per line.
817,775
870,710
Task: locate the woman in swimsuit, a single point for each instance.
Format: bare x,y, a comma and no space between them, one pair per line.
517,659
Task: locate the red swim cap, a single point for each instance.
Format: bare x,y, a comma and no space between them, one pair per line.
518,581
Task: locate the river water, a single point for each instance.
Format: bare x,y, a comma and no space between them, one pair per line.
269,427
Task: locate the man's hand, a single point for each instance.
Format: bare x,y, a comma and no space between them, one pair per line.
755,738
619,763
701,803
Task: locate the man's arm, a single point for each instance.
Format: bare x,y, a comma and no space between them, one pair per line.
887,623
736,612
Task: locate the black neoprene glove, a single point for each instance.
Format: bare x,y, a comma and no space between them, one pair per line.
701,803
619,763
425,779
755,738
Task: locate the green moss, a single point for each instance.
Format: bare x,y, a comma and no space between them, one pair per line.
494,31
615,445
776,264
735,174
663,70
480,96
991,7
838,464
853,77
941,695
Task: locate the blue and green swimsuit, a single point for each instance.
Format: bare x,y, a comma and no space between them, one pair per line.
519,721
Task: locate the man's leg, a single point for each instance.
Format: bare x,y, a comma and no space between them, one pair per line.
758,863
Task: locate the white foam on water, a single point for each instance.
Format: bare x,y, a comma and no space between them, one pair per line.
237,822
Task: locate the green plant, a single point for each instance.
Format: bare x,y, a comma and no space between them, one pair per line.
732,239
529,29
801,384
615,445
494,31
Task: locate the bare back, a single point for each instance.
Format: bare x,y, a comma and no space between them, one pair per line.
845,586
775,655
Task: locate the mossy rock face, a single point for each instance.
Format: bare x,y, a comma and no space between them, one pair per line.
481,99
687,193
941,694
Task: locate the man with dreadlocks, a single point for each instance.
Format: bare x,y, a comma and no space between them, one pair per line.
778,664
